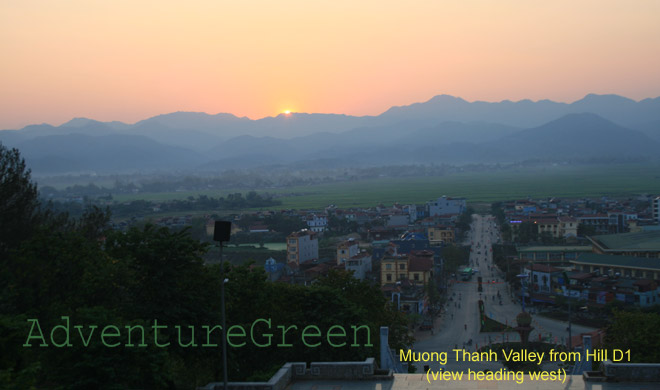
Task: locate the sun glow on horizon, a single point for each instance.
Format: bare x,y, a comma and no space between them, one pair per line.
183,59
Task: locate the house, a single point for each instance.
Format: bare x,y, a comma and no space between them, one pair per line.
274,269
317,223
346,250
548,226
440,235
541,277
416,268
302,246
396,220
568,227
259,228
360,264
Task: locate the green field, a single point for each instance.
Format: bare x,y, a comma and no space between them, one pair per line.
271,246
477,187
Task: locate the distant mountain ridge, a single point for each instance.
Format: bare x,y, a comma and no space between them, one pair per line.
444,129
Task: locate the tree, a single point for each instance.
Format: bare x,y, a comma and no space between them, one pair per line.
18,199
527,232
631,331
454,257
585,230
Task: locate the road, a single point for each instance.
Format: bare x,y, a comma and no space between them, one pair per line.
458,325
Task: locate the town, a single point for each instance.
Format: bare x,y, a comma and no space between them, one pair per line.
573,260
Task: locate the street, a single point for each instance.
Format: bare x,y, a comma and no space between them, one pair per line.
459,325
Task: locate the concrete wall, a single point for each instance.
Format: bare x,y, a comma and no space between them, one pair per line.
631,372
299,371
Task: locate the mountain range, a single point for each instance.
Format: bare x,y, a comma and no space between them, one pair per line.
444,129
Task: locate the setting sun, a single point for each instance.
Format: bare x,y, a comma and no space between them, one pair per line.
287,112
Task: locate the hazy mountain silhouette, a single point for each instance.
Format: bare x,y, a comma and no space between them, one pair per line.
444,129
577,136
107,153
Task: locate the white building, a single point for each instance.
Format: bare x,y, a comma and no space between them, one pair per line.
302,246
360,264
445,205
317,223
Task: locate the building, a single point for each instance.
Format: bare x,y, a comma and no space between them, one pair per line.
440,235
445,205
551,254
393,269
656,209
642,244
612,265
542,277
317,223
302,246
360,264
599,222
397,220
416,268
568,227
548,226
346,250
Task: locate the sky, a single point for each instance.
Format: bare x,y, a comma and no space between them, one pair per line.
128,60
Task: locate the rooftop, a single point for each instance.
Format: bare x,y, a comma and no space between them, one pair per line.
577,248
618,261
642,241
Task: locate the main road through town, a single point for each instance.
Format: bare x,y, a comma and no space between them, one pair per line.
460,321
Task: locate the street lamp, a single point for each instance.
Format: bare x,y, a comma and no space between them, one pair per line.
522,283
222,233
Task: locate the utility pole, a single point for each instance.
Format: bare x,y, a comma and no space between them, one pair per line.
222,233
567,284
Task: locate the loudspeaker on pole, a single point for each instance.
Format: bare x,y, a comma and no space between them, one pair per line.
222,231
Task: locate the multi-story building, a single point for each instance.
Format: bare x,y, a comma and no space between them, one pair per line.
302,246
599,222
440,235
568,227
416,268
317,223
346,250
360,264
656,210
445,205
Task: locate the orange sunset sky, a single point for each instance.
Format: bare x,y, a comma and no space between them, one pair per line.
129,60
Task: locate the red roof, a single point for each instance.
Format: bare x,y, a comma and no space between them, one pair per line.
420,264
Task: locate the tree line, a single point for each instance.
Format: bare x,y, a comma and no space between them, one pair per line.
54,266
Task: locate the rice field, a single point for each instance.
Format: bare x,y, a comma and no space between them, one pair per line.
478,187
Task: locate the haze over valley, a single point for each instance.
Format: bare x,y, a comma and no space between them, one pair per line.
443,130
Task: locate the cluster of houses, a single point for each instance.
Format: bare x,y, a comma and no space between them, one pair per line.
399,249
560,218
615,267
619,261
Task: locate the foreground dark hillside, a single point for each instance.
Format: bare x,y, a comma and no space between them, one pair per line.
64,283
